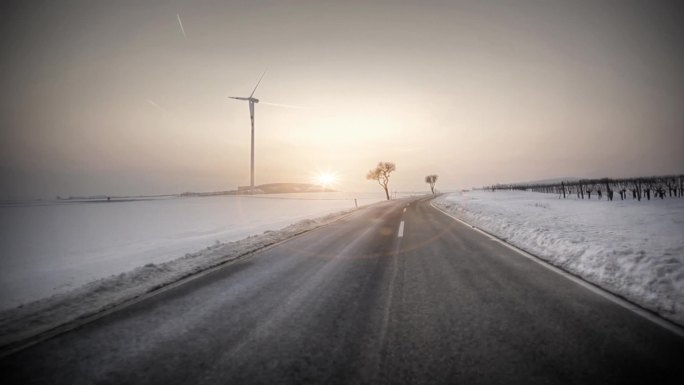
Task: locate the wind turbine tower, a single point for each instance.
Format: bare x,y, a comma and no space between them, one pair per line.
252,100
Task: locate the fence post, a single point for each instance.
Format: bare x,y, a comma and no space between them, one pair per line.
356,204
563,188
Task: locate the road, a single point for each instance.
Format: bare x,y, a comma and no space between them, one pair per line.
396,293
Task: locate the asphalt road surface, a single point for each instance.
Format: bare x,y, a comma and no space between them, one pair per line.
396,293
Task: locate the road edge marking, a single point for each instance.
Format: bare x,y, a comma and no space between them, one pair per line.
621,301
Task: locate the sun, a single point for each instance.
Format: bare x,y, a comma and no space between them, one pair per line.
325,178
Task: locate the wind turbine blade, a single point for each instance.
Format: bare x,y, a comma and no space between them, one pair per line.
282,105
259,82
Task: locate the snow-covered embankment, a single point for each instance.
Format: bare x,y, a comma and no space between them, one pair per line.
36,317
630,248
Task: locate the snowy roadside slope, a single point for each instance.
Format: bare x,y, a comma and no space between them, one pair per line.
48,248
37,317
630,248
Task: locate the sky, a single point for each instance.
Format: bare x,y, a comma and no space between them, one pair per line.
131,97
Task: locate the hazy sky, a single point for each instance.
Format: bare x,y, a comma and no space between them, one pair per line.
112,97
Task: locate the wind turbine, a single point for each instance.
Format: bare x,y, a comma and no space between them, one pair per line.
252,100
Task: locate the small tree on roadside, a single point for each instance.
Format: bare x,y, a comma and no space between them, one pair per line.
431,179
381,174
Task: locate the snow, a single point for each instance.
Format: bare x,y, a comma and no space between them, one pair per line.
102,294
52,247
630,248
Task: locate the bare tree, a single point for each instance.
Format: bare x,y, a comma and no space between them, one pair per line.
381,173
431,179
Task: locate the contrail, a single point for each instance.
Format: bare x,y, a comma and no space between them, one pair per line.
181,25
156,105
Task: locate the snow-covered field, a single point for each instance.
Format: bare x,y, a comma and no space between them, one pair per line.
633,249
51,248
95,297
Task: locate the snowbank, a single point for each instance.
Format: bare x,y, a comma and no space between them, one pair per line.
48,248
630,248
92,298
